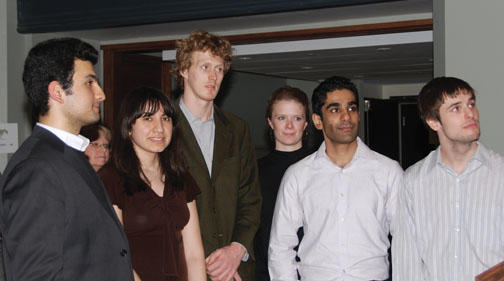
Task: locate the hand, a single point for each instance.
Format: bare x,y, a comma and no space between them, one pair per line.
135,276
222,264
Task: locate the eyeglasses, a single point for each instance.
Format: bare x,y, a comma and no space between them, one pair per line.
96,145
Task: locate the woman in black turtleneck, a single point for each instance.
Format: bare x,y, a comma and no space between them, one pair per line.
287,114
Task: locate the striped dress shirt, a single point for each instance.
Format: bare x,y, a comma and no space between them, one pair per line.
450,226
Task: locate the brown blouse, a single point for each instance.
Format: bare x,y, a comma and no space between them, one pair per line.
153,226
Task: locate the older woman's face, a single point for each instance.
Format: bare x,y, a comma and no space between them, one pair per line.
98,151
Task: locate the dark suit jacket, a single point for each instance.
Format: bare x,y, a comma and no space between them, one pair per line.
56,218
229,205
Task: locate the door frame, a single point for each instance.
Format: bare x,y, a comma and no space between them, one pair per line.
113,52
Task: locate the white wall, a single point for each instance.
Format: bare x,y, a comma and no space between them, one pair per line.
385,91
469,44
369,90
3,72
246,96
13,49
411,89
305,86
17,49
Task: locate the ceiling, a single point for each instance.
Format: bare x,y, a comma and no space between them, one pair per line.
394,63
389,63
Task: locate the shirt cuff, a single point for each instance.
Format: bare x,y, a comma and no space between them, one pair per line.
246,255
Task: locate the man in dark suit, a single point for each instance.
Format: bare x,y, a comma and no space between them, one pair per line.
220,154
56,219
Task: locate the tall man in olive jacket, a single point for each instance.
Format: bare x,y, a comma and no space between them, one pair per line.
221,158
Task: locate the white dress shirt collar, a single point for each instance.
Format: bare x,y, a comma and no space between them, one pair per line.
78,142
362,151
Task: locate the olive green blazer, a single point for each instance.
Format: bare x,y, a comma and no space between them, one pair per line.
229,205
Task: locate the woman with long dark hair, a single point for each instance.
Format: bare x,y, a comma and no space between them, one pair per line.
152,192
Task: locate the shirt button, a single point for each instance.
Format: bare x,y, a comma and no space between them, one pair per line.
342,195
342,219
456,256
220,234
123,252
457,229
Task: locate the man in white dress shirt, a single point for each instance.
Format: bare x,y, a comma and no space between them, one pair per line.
450,211
343,195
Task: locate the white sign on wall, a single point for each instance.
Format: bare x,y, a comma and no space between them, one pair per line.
8,137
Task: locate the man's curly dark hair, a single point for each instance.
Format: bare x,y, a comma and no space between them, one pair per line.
53,60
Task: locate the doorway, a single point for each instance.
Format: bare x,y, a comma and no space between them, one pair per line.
393,128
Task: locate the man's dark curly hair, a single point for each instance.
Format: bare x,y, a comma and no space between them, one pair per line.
53,60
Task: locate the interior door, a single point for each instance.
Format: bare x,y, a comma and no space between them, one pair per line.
415,143
130,71
381,126
393,128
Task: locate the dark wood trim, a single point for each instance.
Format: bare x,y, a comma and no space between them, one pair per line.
333,32
108,86
327,32
166,77
494,273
